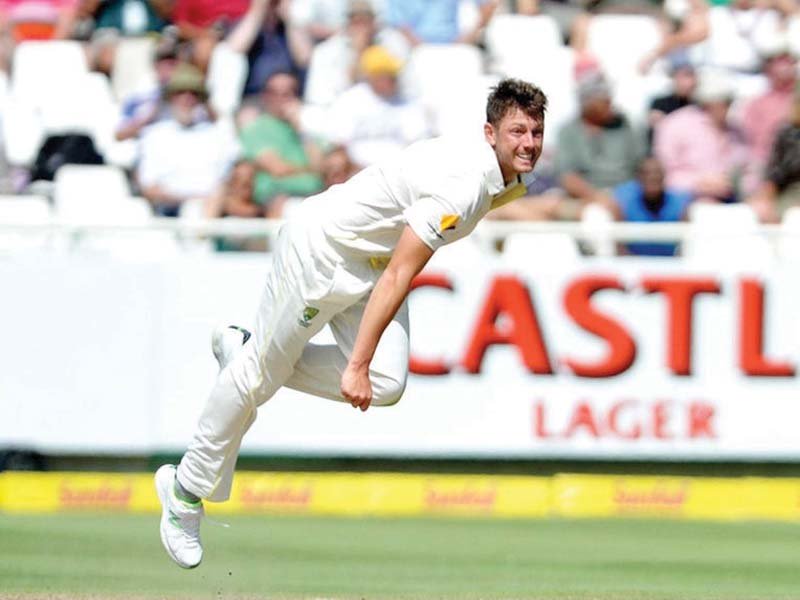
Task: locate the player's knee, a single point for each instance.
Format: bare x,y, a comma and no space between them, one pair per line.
387,390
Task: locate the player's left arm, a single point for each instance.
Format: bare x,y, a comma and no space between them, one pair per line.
408,259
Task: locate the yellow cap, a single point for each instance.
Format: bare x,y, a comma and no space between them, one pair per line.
377,60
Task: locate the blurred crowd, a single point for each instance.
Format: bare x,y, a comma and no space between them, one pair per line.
714,117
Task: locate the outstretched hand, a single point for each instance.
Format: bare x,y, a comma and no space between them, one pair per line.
356,387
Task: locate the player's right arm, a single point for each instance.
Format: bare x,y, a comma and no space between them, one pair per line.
410,256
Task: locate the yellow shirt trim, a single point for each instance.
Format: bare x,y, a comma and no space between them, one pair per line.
512,193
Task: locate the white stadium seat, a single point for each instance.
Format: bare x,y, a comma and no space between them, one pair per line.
23,210
448,80
726,235
227,74
620,42
434,69
43,70
596,221
512,41
79,189
133,70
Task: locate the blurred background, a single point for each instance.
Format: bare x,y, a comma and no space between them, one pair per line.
621,341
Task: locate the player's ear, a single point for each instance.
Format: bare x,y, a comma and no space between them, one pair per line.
489,134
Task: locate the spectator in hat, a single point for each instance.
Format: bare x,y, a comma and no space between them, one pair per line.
597,150
701,151
684,82
334,62
273,142
764,115
780,189
185,155
372,120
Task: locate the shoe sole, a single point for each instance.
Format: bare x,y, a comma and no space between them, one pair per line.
165,521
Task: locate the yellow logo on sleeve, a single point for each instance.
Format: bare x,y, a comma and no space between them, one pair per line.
448,222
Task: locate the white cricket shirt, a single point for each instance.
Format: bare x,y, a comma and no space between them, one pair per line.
441,188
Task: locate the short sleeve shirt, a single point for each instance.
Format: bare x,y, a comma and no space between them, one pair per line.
441,188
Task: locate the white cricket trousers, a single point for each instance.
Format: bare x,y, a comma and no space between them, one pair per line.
303,279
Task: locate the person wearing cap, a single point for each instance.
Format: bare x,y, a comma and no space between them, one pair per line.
334,62
185,155
780,189
372,119
701,151
597,150
764,115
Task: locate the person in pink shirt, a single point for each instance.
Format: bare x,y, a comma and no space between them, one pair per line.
701,151
38,19
764,115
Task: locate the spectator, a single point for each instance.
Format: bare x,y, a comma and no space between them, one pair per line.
646,200
336,167
598,149
738,30
273,143
684,82
235,197
129,17
276,47
184,156
334,62
205,22
781,187
371,119
436,21
764,115
701,152
142,109
38,19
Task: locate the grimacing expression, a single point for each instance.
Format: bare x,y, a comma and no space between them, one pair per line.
517,142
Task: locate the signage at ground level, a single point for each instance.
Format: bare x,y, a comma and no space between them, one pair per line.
580,358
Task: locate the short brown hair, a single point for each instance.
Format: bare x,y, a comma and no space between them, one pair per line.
515,93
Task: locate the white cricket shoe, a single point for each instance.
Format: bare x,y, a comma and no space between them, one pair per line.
180,521
226,342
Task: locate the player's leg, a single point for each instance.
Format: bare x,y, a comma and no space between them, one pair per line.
262,366
319,370
293,309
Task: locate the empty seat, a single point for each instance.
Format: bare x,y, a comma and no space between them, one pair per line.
726,235
513,40
620,42
227,74
436,69
133,70
44,70
596,222
79,189
23,211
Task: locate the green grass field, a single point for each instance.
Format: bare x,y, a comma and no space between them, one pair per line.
92,555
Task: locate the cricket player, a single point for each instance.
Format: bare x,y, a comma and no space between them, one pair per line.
347,260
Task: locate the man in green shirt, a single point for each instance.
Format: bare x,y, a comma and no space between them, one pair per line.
273,144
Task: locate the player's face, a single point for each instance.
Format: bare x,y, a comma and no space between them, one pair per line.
517,142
